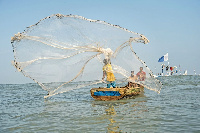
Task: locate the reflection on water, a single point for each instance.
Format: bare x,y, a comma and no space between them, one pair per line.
116,113
111,113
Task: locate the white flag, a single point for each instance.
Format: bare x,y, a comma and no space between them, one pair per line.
166,57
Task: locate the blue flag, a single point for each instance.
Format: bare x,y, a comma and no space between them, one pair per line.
161,59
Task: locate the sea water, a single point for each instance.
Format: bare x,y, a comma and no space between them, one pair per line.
175,109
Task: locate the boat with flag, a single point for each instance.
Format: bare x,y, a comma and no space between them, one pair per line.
168,69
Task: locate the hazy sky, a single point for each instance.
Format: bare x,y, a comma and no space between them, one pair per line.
172,26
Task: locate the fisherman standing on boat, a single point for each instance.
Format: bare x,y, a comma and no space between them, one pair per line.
141,74
108,72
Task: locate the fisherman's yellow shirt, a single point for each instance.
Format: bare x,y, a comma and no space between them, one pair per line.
109,72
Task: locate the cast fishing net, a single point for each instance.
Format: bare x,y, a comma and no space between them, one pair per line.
65,52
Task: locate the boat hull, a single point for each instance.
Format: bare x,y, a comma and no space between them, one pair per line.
109,94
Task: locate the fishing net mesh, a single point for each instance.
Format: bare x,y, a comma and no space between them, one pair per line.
65,52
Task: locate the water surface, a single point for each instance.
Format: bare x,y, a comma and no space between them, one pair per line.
175,109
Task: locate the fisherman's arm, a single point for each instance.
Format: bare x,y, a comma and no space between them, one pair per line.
104,75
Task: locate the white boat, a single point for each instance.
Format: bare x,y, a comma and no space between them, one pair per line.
185,73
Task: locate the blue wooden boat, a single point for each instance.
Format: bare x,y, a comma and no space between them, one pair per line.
108,94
